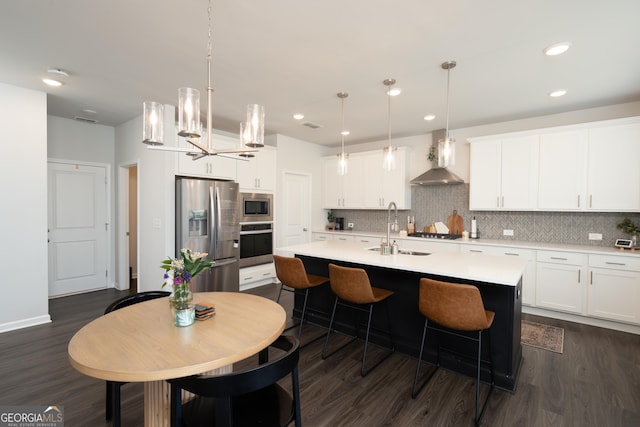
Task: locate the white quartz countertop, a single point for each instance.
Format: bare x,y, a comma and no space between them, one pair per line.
596,250
502,270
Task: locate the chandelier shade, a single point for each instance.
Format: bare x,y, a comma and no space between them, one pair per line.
153,129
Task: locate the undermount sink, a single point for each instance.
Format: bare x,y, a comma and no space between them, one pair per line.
416,253
402,252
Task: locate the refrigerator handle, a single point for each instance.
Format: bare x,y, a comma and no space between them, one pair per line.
213,228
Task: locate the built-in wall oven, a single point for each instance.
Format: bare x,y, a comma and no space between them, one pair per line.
256,229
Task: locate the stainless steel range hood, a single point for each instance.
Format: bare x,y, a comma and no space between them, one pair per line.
436,175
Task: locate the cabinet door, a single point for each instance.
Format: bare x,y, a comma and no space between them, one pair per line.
485,175
614,295
382,187
353,183
613,172
562,171
559,287
258,173
519,175
332,184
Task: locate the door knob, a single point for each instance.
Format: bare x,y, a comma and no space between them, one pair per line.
304,229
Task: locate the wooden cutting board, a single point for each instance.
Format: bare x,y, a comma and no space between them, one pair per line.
455,223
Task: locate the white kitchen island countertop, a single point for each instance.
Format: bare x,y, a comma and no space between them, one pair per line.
503,270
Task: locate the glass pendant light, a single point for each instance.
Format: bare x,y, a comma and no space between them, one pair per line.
153,130
388,152
447,146
255,126
245,139
343,158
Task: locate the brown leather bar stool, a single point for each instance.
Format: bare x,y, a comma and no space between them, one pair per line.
353,289
292,274
457,307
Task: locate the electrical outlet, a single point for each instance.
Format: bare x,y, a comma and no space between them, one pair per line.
350,225
507,232
595,236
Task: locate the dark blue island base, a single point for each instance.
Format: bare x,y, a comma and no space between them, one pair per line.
456,354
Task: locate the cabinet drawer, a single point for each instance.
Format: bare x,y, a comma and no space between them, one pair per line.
365,239
614,262
558,257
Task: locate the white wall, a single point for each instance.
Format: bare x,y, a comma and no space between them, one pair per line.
23,191
92,144
299,156
156,178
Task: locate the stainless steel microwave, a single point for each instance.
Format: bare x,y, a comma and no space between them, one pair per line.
256,207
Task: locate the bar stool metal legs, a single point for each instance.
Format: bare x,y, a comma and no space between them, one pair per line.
369,310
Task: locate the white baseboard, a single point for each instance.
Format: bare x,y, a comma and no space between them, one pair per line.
25,323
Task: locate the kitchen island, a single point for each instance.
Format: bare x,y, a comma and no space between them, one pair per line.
497,277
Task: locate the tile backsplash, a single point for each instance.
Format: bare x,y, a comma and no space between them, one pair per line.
436,203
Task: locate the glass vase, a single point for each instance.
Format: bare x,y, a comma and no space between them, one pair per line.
182,306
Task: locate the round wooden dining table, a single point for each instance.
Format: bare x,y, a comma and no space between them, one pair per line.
140,343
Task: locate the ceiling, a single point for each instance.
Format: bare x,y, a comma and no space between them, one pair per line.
294,56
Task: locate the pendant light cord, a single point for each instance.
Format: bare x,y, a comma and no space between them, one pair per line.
389,112
447,121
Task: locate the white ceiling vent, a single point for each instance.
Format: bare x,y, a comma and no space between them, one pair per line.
311,125
85,119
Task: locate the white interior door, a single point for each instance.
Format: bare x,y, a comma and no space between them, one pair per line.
297,211
77,220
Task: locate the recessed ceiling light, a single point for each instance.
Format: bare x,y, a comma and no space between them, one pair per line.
429,117
52,82
298,116
345,132
394,92
557,48
56,78
88,111
557,93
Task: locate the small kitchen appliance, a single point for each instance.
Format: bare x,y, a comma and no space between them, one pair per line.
339,223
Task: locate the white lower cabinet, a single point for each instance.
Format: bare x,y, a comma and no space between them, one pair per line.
614,288
529,275
344,238
561,281
322,236
257,275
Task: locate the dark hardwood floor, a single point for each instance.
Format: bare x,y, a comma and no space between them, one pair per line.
595,382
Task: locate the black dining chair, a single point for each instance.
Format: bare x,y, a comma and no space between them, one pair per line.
112,407
250,397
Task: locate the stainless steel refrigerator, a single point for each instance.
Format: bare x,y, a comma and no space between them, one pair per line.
207,214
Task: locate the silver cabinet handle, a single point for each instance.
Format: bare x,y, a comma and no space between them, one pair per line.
615,263
579,271
511,253
578,200
559,258
475,250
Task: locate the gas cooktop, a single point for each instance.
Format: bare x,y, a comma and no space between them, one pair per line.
435,235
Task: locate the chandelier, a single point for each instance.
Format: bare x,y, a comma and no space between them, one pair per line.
190,127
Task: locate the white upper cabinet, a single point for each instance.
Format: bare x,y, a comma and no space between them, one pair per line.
562,183
504,173
366,185
585,167
343,191
382,187
258,174
613,180
209,167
